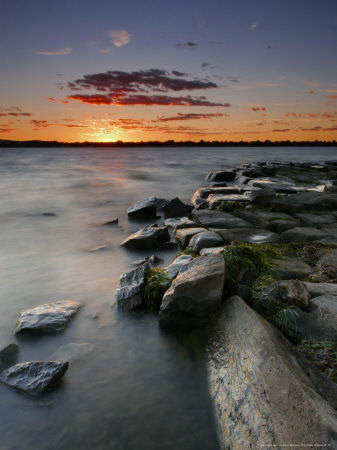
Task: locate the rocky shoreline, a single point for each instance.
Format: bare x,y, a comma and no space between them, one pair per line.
257,270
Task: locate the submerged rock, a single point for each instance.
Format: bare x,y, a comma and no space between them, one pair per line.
129,290
34,377
50,317
147,238
144,209
259,392
195,294
71,352
8,356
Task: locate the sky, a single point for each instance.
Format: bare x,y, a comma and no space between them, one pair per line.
153,70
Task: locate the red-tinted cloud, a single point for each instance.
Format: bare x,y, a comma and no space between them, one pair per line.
257,108
190,116
45,124
6,130
14,111
323,115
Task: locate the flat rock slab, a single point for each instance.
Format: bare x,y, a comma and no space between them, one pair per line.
50,317
34,377
314,220
147,238
72,352
250,235
317,289
218,219
329,258
303,234
173,269
215,200
293,268
259,392
260,216
144,209
195,294
204,240
183,236
177,224
211,251
277,186
129,290
8,356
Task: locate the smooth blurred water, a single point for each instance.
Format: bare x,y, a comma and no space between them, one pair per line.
140,388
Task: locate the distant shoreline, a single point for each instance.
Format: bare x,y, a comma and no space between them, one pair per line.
170,143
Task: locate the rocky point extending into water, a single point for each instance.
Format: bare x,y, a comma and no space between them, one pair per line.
258,274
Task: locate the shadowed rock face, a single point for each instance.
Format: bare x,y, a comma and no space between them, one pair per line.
260,394
34,377
129,289
217,219
50,317
144,209
148,237
8,355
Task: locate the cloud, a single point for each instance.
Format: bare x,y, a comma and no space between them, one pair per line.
61,51
119,37
281,130
254,25
6,130
45,124
190,116
106,51
257,108
188,45
332,97
139,88
52,99
14,111
310,83
320,115
318,128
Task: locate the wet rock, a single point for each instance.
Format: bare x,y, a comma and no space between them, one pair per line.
250,235
292,292
50,317
302,234
195,294
8,356
183,236
329,259
275,185
147,238
263,197
72,352
111,222
34,377
205,239
262,218
144,209
200,194
129,290
49,214
314,220
222,175
259,392
173,269
211,251
288,269
176,208
317,289
215,200
177,224
278,226
218,219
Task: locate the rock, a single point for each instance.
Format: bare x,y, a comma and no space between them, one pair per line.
310,201
49,214
176,208
317,289
250,235
244,284
215,200
302,234
278,226
34,377
72,352
144,209
222,175
201,193
195,294
288,269
330,188
263,197
314,220
262,218
211,251
50,317
275,185
292,292
129,290
259,392
218,219
8,356
176,224
204,240
329,259
173,269
184,235
111,222
148,237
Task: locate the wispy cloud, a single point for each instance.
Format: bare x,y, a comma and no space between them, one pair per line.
119,37
13,111
188,45
254,25
190,116
61,51
257,108
311,83
45,124
106,51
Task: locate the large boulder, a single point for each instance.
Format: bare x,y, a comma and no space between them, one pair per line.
218,219
215,200
195,294
129,290
204,240
147,238
34,377
260,394
144,209
8,356
176,208
50,317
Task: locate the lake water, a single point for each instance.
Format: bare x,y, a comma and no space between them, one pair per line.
139,388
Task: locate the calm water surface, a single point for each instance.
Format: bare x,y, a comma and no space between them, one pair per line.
139,388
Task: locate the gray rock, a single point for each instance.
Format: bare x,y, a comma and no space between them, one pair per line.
293,292
129,289
173,269
177,224
317,289
276,185
278,226
218,219
50,317
310,201
250,235
183,236
293,268
8,356
144,209
259,392
302,234
261,217
314,220
195,294
263,197
223,190
201,193
222,175
147,238
211,251
34,377
329,258
204,240
72,352
215,200
176,208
